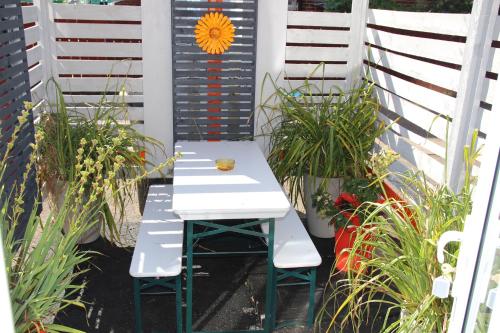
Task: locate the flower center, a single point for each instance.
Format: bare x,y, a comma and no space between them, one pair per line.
214,33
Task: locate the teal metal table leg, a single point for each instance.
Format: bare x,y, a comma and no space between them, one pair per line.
312,289
178,302
189,277
271,281
137,305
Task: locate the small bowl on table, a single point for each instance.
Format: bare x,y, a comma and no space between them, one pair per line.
224,164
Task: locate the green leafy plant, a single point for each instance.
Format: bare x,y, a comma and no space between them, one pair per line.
41,265
107,140
309,131
400,273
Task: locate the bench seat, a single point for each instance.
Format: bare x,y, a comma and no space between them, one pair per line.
158,250
293,248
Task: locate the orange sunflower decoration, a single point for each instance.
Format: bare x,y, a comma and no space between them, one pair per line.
214,33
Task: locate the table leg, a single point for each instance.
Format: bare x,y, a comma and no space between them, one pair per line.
189,277
271,281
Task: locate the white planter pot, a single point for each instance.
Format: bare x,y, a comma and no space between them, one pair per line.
56,201
318,226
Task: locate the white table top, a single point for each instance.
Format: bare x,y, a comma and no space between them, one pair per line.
202,192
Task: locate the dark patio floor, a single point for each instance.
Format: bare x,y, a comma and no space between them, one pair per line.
228,293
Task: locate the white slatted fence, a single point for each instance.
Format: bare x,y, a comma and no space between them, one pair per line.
415,61
312,38
32,35
98,55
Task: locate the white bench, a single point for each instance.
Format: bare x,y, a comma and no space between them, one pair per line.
157,258
295,255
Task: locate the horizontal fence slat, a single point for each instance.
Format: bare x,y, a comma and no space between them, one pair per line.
336,70
204,81
32,35
317,86
206,5
448,24
203,113
205,121
190,23
93,12
232,14
30,14
99,49
204,136
488,92
36,74
432,165
494,61
225,56
38,93
425,97
90,30
100,84
93,99
319,19
452,52
425,119
34,55
132,113
205,98
439,75
316,53
306,36
189,65
204,89
123,67
196,49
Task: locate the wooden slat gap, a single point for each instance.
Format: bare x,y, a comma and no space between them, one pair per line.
413,80
420,34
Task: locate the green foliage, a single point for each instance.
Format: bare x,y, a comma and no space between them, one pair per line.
320,133
400,273
41,265
107,140
438,6
345,5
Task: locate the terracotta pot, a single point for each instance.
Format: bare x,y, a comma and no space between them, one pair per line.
318,226
344,239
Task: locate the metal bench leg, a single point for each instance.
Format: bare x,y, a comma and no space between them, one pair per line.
271,281
312,289
137,305
189,278
178,302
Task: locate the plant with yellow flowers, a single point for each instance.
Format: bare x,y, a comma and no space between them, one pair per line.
214,33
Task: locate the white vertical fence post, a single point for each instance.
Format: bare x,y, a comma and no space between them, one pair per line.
47,41
271,44
157,75
359,13
477,48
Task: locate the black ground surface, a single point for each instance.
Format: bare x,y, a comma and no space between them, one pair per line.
228,293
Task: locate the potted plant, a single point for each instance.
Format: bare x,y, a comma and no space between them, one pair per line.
399,275
102,140
316,138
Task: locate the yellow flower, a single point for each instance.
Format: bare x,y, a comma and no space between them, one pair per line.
214,33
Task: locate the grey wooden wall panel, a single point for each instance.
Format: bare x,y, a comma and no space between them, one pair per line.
14,91
194,114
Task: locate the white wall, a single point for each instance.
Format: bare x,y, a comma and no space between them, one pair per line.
271,42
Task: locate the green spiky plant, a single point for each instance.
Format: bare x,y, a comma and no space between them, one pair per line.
41,264
399,275
320,133
60,133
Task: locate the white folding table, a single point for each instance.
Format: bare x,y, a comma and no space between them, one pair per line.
204,195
